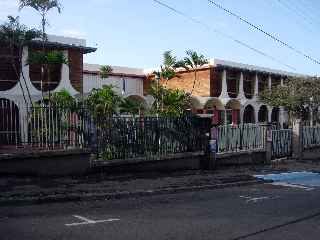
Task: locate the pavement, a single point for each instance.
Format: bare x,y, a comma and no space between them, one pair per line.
32,190
252,212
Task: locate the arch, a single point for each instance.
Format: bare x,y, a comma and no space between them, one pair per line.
232,112
263,114
248,114
214,103
233,104
9,122
140,100
275,115
9,74
195,103
51,78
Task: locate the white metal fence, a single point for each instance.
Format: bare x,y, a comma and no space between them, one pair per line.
42,126
241,137
310,136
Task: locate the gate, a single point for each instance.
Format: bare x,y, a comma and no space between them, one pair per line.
281,143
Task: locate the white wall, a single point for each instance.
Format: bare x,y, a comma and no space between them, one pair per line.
133,85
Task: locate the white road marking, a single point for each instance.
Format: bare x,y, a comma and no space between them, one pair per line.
257,199
90,221
284,184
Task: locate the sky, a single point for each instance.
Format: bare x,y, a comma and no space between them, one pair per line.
136,33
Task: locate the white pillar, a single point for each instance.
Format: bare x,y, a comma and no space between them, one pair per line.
281,82
256,86
269,82
224,89
281,116
256,113
269,114
241,90
241,114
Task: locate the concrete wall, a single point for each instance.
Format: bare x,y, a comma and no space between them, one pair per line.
123,85
311,154
242,158
46,163
182,161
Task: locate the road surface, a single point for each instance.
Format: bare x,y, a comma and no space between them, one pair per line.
252,212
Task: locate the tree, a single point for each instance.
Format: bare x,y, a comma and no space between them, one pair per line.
298,96
131,106
192,62
167,71
103,102
63,99
16,35
175,101
42,7
105,71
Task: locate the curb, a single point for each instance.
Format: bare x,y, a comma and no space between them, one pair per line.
60,198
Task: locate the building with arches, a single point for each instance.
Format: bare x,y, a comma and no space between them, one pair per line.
21,85
228,91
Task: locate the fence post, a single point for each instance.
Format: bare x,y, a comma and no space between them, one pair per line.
211,149
268,143
297,139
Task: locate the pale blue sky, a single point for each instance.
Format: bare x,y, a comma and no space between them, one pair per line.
135,33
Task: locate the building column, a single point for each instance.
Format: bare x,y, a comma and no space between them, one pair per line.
281,82
256,86
256,114
269,114
269,82
241,114
224,89
281,116
241,94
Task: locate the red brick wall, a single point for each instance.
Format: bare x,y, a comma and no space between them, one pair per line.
76,69
184,81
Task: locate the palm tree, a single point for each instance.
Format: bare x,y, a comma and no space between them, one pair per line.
42,7
167,71
192,62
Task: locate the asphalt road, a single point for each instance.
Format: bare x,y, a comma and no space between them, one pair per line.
251,212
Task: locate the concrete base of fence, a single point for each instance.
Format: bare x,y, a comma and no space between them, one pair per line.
244,157
181,161
173,162
311,154
46,163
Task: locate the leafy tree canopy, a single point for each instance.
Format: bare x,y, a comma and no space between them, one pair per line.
298,95
104,101
175,102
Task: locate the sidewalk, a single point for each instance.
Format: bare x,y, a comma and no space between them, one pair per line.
32,190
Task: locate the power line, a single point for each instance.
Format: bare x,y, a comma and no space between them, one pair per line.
296,11
222,34
265,32
296,19
303,8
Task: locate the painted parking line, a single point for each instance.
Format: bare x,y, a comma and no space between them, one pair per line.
86,221
284,184
250,199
